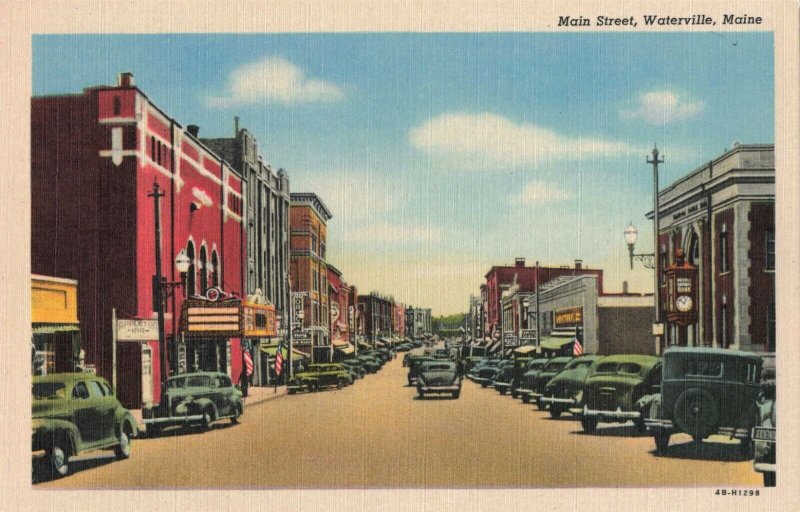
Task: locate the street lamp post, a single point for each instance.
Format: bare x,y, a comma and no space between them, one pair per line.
162,288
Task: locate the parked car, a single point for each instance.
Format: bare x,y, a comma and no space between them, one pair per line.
524,385
548,371
706,391
404,347
74,413
502,379
199,398
356,366
469,362
371,364
415,368
764,435
438,376
564,392
318,376
484,374
613,387
352,373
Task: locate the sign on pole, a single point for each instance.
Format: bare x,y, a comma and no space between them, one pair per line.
137,330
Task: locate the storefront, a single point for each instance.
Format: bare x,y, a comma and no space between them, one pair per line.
212,333
260,328
56,340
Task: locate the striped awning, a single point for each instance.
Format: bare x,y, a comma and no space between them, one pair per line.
494,346
271,350
54,328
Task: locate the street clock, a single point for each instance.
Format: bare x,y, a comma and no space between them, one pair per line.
681,299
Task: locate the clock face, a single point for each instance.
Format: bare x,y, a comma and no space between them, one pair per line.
683,303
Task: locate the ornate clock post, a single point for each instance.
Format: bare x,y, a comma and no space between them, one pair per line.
682,293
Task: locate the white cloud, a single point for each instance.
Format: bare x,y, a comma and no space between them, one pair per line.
538,193
486,141
274,80
662,107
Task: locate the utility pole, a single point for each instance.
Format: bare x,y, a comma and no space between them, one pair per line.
656,252
158,286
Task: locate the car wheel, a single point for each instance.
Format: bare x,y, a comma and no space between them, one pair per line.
123,449
205,421
746,448
697,413
291,391
484,384
514,394
540,405
526,399
456,394
555,412
589,424
153,430
640,425
662,442
57,459
420,393
339,383
503,391
236,413
769,479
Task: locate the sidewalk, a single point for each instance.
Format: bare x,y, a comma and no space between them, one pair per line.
255,395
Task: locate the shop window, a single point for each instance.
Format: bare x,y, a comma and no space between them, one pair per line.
769,250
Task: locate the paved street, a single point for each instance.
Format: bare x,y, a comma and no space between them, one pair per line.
378,434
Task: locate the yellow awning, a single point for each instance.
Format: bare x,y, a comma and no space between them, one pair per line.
525,349
552,343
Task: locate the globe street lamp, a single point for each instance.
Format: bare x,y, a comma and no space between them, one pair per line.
631,235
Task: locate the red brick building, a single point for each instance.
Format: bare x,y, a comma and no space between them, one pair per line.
94,159
501,277
722,215
308,217
399,321
341,314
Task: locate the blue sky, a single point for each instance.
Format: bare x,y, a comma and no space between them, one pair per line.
443,154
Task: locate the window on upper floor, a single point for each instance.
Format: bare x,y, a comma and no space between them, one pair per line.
314,244
117,105
771,327
315,280
769,251
322,251
724,263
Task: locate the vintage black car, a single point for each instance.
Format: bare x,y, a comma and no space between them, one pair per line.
438,376
764,435
199,398
613,387
706,391
549,370
502,379
517,371
564,392
416,367
74,413
356,367
371,364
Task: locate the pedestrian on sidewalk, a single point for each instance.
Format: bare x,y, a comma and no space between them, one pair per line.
244,382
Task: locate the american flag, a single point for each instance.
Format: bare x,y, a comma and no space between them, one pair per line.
248,363
577,349
279,359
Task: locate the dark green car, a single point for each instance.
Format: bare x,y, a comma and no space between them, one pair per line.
74,413
548,371
613,387
439,376
371,365
318,376
416,367
199,398
356,367
528,380
564,392
707,391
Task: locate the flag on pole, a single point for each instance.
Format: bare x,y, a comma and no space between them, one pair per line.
577,348
279,359
248,363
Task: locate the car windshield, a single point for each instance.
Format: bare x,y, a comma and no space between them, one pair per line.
555,367
629,368
581,364
176,383
606,368
438,368
199,381
49,391
703,368
535,365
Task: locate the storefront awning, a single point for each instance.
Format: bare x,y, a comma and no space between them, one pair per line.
379,343
494,346
271,350
552,343
346,349
365,346
339,343
54,328
525,349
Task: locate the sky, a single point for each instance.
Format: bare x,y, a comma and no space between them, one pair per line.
441,155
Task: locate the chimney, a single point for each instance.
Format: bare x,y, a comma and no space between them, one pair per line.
624,287
125,80
193,129
235,126
519,262
578,264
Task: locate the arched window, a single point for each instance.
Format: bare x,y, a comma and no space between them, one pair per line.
203,270
191,275
214,269
693,254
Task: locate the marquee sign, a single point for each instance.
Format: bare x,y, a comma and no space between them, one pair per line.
569,317
207,318
259,320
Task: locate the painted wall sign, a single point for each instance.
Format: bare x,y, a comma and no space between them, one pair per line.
569,317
